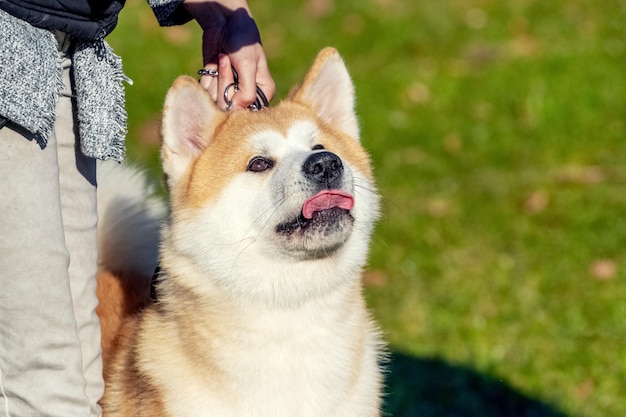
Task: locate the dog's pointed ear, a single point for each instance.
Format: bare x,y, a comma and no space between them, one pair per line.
329,90
189,120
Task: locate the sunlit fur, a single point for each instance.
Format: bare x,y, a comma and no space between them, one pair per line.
250,320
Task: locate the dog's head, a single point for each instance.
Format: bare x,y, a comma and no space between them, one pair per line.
276,204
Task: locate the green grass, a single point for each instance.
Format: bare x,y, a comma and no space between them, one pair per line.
498,135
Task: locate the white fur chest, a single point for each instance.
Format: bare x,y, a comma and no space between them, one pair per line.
287,364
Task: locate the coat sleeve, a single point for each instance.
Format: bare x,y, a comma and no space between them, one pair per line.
170,12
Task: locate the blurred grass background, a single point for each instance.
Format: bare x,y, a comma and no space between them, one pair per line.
497,130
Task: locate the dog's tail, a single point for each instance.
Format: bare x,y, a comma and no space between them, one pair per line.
130,217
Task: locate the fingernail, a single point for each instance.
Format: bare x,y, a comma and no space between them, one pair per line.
222,60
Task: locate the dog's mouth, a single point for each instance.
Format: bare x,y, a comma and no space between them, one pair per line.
326,200
324,222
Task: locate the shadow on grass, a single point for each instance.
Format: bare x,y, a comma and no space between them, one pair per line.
431,387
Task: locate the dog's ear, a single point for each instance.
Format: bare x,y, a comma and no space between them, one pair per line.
329,90
189,120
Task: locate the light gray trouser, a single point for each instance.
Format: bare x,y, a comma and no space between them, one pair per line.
50,358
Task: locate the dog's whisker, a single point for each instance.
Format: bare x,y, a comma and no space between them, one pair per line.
274,207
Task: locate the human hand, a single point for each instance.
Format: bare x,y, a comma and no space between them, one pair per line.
231,39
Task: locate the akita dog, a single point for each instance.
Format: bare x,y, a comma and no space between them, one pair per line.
259,307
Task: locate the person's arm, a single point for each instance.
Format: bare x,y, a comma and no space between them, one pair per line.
230,38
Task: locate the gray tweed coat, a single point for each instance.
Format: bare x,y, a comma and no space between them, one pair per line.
31,80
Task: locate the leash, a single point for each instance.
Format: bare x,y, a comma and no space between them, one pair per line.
259,103
153,282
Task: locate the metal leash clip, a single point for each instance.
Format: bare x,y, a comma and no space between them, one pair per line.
258,104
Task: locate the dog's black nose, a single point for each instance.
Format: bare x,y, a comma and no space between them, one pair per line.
324,168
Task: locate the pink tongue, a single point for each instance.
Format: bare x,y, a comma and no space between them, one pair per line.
325,200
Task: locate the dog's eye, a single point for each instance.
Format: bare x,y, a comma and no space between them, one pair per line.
317,147
260,164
